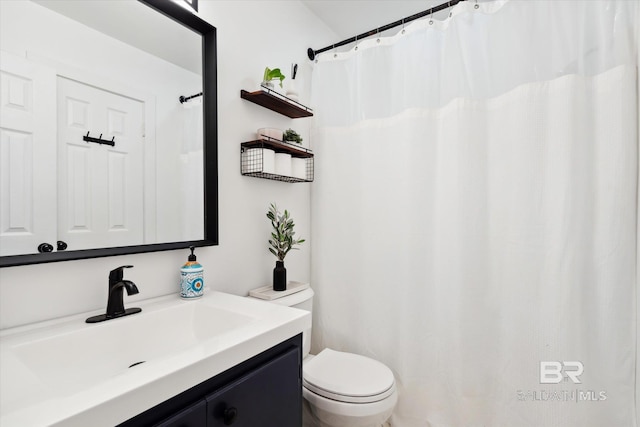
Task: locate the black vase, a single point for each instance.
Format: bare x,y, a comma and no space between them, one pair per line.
279,277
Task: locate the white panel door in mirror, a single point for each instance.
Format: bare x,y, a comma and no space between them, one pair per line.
27,143
100,186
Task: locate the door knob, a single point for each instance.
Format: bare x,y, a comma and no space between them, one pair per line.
61,245
45,247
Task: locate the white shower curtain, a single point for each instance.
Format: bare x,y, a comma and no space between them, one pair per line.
476,185
192,161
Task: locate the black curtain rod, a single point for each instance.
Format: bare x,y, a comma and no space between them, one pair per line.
312,53
184,99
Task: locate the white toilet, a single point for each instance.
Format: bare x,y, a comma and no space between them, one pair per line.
342,389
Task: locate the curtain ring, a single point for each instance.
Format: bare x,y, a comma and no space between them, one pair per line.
450,11
402,26
431,16
477,5
378,34
356,48
335,55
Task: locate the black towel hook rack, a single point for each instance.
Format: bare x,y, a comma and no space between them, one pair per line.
99,140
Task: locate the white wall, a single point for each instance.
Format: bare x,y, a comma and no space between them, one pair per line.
251,36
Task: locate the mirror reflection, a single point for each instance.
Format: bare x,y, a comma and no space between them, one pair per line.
96,149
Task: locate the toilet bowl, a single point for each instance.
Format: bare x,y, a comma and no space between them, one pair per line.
341,389
346,389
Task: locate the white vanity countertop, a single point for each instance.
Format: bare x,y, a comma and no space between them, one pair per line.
70,373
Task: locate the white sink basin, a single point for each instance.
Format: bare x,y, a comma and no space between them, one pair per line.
67,372
71,360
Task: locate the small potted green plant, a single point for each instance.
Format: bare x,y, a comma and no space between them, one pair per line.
270,75
292,136
281,242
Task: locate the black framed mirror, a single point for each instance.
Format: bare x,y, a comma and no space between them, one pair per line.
207,208
193,4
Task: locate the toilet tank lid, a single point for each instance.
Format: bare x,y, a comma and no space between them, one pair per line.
294,299
348,374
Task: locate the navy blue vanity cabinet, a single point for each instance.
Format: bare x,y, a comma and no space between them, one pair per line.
193,416
268,396
264,391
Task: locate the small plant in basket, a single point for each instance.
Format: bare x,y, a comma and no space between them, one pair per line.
270,75
291,135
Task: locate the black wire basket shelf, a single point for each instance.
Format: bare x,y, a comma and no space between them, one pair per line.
276,160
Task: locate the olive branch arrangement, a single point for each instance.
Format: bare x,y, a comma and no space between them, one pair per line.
282,240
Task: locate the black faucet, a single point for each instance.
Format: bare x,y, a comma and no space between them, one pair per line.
115,305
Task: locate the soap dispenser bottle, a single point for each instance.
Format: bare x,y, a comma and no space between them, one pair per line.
191,277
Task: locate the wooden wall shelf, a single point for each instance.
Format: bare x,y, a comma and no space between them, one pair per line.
276,102
279,147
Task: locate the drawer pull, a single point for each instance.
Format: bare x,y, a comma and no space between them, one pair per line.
230,416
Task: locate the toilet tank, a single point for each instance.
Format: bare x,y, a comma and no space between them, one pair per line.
302,300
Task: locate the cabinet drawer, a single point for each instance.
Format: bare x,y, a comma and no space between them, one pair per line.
193,416
268,396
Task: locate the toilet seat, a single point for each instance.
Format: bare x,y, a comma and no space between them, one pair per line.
348,377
